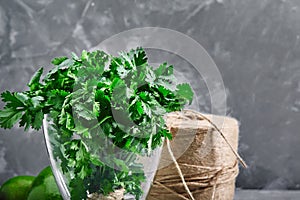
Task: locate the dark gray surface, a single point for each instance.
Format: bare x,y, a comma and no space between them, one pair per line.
266,195
255,44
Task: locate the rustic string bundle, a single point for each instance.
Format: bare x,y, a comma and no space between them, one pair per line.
186,179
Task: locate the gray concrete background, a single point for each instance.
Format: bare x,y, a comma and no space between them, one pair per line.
255,44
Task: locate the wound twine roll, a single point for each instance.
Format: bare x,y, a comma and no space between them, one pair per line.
206,165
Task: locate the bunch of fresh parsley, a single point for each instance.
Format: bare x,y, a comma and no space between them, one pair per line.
108,102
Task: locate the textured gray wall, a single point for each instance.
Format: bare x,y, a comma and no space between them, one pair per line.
255,44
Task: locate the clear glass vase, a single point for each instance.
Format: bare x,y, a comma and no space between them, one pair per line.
55,149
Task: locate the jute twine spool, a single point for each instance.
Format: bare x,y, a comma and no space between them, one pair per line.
207,162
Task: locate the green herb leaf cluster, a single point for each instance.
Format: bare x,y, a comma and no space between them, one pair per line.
107,102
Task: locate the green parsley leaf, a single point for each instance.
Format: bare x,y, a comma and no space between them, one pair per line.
185,91
59,60
12,100
9,116
34,82
38,120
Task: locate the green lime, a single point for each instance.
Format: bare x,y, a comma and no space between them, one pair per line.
16,188
44,187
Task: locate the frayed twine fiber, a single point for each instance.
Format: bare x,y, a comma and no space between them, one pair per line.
198,175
